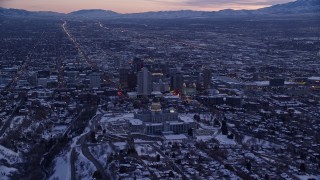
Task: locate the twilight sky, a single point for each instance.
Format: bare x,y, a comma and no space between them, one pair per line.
130,6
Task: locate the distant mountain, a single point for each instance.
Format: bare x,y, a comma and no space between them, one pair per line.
287,9
299,7
94,13
24,13
170,14
296,7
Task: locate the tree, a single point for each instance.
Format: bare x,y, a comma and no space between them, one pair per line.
303,167
171,174
158,157
122,169
93,137
302,155
230,136
224,128
216,123
178,161
97,175
196,117
190,132
249,165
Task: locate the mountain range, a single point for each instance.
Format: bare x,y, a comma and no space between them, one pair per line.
298,7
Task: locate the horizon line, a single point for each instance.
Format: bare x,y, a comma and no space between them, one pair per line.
141,11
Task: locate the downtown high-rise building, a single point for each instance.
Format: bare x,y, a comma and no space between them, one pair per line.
207,76
137,64
144,87
176,81
95,80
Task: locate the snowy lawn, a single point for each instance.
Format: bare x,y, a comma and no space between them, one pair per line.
224,140
62,169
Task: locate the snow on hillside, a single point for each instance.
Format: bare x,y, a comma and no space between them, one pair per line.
5,172
84,168
62,167
10,156
101,152
224,140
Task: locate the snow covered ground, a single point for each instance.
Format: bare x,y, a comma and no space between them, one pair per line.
204,138
84,168
115,118
16,121
5,172
306,177
62,169
55,131
145,150
120,145
224,140
10,156
101,152
254,141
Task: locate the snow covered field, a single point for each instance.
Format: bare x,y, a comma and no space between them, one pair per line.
224,140
5,172
62,169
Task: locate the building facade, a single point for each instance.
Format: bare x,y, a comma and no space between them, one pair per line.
157,122
144,87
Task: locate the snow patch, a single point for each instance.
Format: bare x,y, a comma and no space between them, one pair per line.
223,139
9,155
5,172
62,167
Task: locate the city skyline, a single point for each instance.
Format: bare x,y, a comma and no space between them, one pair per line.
135,6
145,92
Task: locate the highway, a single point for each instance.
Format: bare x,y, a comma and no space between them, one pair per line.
23,67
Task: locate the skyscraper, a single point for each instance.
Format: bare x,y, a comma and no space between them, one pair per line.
144,87
132,80
207,76
176,81
123,76
95,80
137,64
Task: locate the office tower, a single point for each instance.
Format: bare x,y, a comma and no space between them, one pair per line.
137,64
176,81
132,80
144,87
94,80
123,76
207,76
